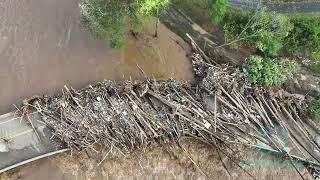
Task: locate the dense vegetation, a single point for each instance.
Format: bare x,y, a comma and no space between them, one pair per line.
218,9
264,30
273,33
266,71
111,19
304,39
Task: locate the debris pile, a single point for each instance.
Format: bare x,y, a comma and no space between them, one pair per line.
220,107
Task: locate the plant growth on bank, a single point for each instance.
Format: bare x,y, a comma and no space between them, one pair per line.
111,19
267,72
265,30
217,9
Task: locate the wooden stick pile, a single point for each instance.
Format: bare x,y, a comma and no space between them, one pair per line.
219,107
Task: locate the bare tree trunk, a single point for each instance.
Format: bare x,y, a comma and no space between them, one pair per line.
157,24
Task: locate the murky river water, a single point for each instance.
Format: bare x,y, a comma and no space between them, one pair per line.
43,47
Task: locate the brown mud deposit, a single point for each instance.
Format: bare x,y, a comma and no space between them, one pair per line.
43,48
195,161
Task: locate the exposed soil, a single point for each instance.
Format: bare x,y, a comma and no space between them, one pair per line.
163,57
43,47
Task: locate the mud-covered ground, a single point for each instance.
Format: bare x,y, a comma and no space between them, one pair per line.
193,161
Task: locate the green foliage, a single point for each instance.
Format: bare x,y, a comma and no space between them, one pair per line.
235,23
267,72
312,109
151,7
111,19
305,37
218,9
265,30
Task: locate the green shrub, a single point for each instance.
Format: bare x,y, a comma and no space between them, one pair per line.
217,9
270,29
312,109
266,71
265,30
235,22
111,19
305,37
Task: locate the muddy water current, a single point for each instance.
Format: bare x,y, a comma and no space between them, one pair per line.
43,48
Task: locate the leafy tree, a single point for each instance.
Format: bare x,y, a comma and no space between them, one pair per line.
305,38
111,19
266,30
217,8
267,72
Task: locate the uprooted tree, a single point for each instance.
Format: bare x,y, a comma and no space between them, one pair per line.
111,19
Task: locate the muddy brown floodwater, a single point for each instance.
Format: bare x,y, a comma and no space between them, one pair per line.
43,48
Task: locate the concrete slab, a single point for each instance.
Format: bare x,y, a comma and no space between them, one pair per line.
20,144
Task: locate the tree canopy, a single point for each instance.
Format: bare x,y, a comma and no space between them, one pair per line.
111,19
265,30
217,9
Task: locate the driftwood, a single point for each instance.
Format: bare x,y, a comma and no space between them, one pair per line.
220,107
